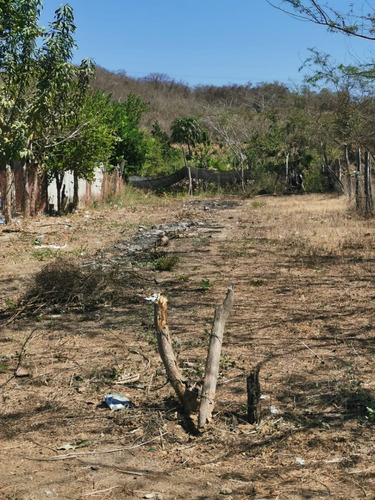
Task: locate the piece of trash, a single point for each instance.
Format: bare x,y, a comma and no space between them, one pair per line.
22,372
300,461
156,496
2,220
274,410
53,247
153,298
73,446
128,378
117,401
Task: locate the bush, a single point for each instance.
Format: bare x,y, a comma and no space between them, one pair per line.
166,262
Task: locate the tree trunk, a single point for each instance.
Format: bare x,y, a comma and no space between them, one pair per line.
213,359
34,189
44,190
25,203
59,180
369,208
286,170
75,191
9,179
335,181
358,194
188,397
348,176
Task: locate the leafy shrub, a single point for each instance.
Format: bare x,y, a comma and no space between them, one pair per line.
166,262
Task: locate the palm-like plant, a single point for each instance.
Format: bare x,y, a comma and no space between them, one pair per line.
186,130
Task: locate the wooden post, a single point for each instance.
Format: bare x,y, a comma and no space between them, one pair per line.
287,170
213,359
358,194
190,181
367,185
348,176
253,397
25,203
188,397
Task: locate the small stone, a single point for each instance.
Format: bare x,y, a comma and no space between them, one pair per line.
22,372
226,491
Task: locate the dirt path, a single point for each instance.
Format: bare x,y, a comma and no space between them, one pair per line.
302,270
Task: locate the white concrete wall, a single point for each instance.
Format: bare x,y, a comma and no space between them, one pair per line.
96,187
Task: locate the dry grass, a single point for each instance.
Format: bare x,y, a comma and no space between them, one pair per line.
302,268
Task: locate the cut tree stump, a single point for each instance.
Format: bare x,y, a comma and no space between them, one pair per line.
187,396
213,360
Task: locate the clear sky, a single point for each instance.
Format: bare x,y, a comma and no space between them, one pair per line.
214,42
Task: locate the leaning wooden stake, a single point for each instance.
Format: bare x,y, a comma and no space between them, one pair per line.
213,358
187,396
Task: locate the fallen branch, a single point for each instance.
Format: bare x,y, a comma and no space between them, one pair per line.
88,453
309,348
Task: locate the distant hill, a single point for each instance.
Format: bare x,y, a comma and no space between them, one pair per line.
168,99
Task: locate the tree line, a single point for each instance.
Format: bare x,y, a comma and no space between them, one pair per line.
57,116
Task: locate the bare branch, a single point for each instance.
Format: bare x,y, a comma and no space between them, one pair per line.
326,16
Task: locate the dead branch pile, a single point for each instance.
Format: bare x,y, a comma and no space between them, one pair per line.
64,284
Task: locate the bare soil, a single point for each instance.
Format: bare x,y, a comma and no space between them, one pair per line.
303,272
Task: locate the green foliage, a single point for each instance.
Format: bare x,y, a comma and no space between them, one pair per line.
206,156
131,142
18,51
91,145
161,158
60,87
187,130
166,262
256,282
258,204
44,254
370,414
10,303
205,284
315,180
184,278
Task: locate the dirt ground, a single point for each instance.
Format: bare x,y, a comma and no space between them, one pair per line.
303,275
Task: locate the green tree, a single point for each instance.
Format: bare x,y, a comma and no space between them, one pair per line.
40,87
131,141
161,157
19,33
59,92
187,130
90,144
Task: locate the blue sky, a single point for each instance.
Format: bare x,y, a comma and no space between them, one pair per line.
205,42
